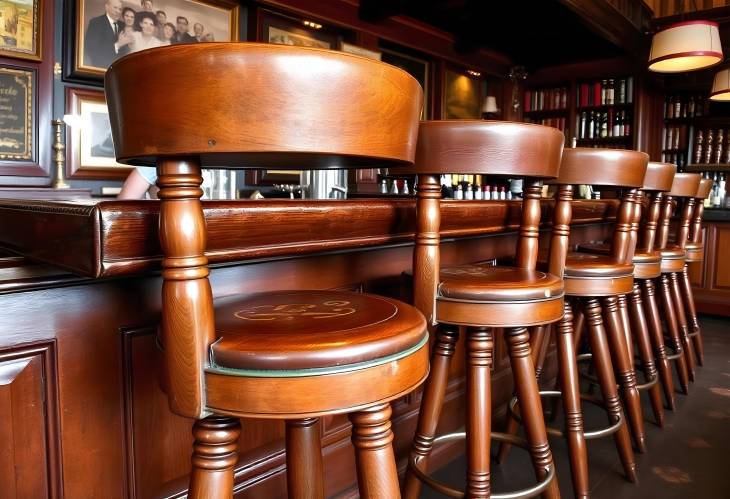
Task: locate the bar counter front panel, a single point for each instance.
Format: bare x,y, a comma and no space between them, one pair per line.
80,401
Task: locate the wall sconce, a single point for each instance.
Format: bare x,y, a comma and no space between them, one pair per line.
473,73
516,75
312,24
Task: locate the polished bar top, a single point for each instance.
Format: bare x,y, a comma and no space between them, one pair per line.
113,238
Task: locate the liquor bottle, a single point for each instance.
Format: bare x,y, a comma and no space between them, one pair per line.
604,85
383,186
719,142
707,202
393,187
405,189
627,123
699,106
478,192
622,91
495,194
727,146
502,194
609,93
591,125
678,107
709,146
669,138
677,136
487,193
715,195
629,90
699,141
604,125
670,107
459,193
468,193
721,189
691,107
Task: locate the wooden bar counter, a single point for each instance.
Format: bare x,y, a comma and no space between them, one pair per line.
81,411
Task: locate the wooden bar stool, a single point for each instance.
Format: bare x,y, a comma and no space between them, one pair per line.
483,297
695,253
684,186
645,323
290,355
594,281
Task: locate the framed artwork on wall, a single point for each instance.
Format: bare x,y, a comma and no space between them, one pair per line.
463,96
20,29
101,31
89,146
19,122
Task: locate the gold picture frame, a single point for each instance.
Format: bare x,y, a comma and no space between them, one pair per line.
20,29
220,19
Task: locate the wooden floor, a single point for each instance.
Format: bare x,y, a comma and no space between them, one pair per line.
687,459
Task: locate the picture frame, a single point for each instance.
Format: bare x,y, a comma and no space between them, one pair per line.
21,29
463,95
89,146
419,68
90,47
357,50
19,122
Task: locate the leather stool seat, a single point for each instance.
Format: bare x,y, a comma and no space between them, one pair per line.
489,283
695,252
673,258
300,330
276,352
498,296
588,274
646,265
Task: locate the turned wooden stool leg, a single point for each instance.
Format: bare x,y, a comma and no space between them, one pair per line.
570,390
640,330
626,374
654,323
304,469
479,360
214,457
673,328
579,324
607,381
623,310
377,475
432,401
689,354
538,353
530,406
694,324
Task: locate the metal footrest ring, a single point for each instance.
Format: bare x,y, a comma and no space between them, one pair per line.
645,386
589,435
442,488
675,356
693,334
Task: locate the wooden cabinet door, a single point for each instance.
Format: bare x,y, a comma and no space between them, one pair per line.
28,461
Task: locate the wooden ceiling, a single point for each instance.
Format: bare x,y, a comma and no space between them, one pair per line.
533,33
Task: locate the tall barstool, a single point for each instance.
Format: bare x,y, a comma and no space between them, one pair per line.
695,253
684,186
289,355
645,323
593,281
484,297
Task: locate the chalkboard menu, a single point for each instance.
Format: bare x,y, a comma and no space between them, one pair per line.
16,114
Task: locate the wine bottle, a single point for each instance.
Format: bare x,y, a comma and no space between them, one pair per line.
699,141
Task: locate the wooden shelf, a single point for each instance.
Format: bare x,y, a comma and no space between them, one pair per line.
605,107
605,140
551,112
708,167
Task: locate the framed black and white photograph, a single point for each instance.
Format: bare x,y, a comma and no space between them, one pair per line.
90,149
105,30
20,29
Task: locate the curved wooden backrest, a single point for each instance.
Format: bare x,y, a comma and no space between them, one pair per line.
488,147
685,185
704,189
241,105
659,176
610,167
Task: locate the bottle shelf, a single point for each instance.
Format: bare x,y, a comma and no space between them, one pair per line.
550,112
605,107
604,140
708,167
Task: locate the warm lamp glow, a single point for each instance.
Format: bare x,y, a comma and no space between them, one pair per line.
721,86
685,46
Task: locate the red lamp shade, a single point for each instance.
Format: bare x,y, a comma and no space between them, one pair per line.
721,86
685,46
